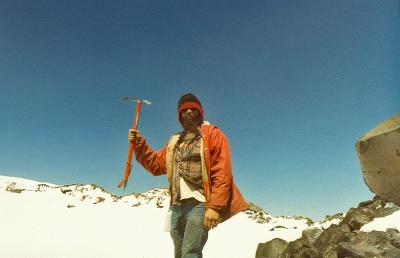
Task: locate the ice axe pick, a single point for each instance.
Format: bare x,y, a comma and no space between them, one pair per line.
128,165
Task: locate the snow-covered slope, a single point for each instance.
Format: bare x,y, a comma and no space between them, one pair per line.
43,220
384,223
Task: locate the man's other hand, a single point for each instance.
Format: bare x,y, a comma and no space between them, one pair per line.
211,218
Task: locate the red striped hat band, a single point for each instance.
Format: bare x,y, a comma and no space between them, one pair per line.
188,105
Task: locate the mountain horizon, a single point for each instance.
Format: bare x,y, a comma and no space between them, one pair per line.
49,220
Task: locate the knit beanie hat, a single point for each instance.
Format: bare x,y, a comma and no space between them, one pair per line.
190,101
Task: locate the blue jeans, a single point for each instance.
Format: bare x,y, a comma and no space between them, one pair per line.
187,231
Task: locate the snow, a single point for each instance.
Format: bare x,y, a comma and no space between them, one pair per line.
327,223
43,220
39,225
382,224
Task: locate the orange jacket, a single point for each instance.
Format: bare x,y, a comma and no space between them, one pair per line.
220,190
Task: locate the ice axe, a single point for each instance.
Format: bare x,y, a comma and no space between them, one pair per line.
128,166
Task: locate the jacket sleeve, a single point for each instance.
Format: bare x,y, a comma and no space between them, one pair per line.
152,161
220,171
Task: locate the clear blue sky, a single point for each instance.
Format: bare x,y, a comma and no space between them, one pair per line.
293,84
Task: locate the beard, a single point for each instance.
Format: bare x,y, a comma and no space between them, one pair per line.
191,124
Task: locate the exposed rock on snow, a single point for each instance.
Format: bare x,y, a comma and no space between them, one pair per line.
256,213
344,239
12,187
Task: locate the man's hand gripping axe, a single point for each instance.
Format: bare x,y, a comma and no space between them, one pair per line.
128,166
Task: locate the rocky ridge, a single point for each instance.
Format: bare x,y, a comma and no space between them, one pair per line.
78,194
341,240
88,193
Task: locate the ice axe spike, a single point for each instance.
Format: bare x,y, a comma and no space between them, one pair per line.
135,123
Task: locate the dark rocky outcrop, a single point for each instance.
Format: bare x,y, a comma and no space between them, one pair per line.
304,247
272,249
256,213
13,188
366,212
344,240
372,244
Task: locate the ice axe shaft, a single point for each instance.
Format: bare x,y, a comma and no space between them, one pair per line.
128,166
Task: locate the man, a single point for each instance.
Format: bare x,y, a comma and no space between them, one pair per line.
198,166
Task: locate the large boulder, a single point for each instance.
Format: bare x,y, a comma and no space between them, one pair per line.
379,154
303,247
272,249
327,242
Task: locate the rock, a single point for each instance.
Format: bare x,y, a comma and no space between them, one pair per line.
372,244
379,154
379,207
64,191
99,200
309,236
366,212
343,240
338,216
256,213
272,249
278,227
301,249
356,218
327,242
13,188
394,238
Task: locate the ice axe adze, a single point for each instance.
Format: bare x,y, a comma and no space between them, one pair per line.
128,166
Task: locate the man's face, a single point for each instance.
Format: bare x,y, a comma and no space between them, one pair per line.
190,118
